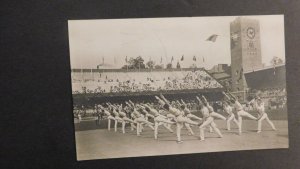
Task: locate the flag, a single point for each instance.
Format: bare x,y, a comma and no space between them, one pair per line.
102,60
161,59
182,58
194,58
203,59
126,60
172,59
212,38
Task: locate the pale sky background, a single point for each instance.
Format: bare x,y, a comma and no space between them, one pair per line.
114,39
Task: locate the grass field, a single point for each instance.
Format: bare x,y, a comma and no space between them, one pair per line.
101,143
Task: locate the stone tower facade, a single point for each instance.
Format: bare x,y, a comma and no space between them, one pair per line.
245,50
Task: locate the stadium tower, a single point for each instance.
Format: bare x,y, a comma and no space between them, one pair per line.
245,50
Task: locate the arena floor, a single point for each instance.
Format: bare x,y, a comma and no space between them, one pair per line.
101,143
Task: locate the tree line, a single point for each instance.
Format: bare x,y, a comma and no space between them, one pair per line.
139,63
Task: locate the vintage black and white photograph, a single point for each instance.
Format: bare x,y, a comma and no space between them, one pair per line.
182,85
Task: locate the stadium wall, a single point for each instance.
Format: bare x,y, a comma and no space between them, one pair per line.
273,77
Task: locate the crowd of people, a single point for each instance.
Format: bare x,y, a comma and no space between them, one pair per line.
275,97
178,113
271,92
145,81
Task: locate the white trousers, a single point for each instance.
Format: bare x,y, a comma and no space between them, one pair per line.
109,118
180,121
192,116
117,119
159,120
126,119
217,115
265,117
230,118
139,124
242,114
209,122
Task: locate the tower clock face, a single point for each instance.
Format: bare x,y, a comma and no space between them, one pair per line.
251,32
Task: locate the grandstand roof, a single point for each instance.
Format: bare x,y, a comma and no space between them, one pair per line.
221,75
265,68
269,77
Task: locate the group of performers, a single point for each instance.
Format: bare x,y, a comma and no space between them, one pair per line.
168,113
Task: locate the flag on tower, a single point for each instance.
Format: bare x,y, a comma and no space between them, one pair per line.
194,58
182,58
212,38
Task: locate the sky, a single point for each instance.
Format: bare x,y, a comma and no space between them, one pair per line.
111,40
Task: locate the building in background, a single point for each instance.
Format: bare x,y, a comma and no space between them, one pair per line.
222,72
245,50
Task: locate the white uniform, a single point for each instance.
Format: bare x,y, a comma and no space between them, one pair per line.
180,120
241,113
125,119
148,115
190,116
214,114
228,110
79,118
109,118
139,119
159,120
132,125
207,121
263,116
117,119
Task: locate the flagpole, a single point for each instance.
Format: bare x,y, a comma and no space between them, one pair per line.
126,64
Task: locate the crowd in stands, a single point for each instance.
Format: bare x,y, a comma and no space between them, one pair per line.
114,82
271,92
274,97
